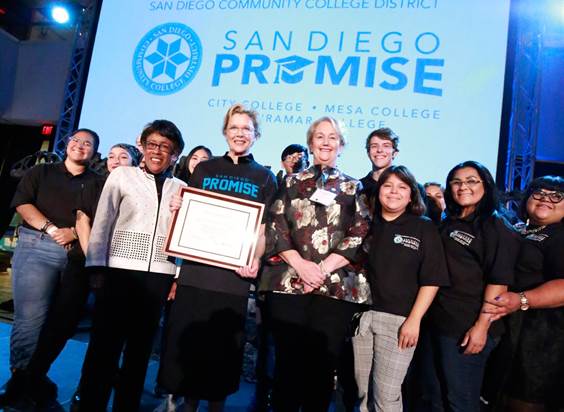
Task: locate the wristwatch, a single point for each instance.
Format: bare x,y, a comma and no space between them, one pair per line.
524,301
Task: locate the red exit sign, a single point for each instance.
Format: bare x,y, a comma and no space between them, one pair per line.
47,129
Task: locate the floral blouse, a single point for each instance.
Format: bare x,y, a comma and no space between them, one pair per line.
315,231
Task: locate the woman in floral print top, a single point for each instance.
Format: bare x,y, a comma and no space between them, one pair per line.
316,231
317,224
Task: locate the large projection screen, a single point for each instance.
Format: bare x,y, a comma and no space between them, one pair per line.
432,70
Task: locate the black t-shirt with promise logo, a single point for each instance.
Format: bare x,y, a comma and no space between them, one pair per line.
405,254
246,180
477,254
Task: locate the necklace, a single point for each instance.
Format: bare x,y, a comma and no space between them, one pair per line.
524,229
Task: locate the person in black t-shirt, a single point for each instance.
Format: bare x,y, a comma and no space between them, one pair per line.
203,353
405,268
45,199
70,300
536,302
481,249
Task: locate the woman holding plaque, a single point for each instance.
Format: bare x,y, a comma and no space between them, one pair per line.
204,340
317,224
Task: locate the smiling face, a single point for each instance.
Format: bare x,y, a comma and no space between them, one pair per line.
80,147
117,157
240,134
542,211
325,145
198,156
394,197
381,152
467,189
159,153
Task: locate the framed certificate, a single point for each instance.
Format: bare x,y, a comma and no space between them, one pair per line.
215,229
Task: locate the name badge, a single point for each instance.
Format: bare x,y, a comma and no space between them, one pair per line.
323,197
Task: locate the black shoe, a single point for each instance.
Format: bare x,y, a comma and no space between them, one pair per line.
14,388
42,390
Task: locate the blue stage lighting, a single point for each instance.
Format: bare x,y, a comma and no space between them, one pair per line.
60,14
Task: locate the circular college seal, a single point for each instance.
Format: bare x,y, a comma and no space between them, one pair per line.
167,58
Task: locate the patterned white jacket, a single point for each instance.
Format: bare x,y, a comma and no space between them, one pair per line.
130,227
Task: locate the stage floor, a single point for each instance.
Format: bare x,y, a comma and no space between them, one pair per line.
65,372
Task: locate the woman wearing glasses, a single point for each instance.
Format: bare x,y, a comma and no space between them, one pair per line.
74,285
127,238
204,338
480,250
536,375
318,222
45,198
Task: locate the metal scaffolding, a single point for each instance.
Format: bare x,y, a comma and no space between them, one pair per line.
523,127
76,76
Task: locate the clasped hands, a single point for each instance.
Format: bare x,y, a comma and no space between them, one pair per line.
313,275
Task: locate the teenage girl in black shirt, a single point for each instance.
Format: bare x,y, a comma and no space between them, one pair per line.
406,265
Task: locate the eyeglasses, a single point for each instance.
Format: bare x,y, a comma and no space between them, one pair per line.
470,183
163,147
80,142
246,131
552,197
294,157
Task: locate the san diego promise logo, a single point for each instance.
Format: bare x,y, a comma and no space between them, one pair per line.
167,58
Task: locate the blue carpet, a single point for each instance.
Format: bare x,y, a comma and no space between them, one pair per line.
65,372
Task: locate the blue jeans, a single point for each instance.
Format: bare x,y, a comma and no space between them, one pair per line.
36,267
451,380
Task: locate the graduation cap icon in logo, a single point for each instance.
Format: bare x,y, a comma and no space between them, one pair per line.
291,69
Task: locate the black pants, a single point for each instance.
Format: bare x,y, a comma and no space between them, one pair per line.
205,337
309,333
63,317
126,313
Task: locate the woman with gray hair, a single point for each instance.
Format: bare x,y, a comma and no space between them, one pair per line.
317,223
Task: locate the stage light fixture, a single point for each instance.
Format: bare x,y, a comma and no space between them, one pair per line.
60,14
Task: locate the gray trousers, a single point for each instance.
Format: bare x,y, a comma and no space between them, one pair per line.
380,365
